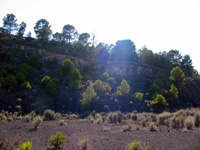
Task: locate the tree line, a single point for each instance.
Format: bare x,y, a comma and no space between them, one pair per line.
70,42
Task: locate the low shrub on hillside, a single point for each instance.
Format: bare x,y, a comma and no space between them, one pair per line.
197,119
57,140
49,115
189,122
37,121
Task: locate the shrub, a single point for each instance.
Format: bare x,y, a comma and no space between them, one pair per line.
61,122
120,117
32,114
37,121
139,96
26,85
162,118
189,122
90,98
10,82
111,80
20,77
83,144
107,88
33,61
175,122
136,145
124,88
75,75
27,69
104,76
163,92
152,127
67,67
49,115
58,116
99,86
45,80
154,88
3,73
74,85
27,118
159,101
25,146
173,92
57,140
159,83
177,76
197,119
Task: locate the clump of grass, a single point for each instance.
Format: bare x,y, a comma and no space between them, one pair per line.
189,122
120,116
197,119
37,121
175,122
126,128
162,118
105,129
83,144
99,121
73,116
49,115
27,118
58,116
152,127
32,114
62,123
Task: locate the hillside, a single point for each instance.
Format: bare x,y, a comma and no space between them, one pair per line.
28,61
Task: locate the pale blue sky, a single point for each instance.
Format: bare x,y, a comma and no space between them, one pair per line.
158,24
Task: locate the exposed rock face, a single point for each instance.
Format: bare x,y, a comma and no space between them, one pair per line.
130,69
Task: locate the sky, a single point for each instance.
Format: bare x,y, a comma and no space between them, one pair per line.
160,25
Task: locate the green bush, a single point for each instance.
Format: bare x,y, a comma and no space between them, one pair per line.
159,101
26,85
159,83
163,92
3,73
89,101
124,88
67,67
25,146
49,115
74,85
9,82
177,77
173,92
111,80
45,80
33,61
20,77
57,140
139,96
27,69
107,88
99,86
154,88
136,145
104,76
75,75
13,69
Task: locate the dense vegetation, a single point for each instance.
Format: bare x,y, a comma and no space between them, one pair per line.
23,70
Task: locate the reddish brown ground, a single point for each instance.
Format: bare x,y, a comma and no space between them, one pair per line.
113,139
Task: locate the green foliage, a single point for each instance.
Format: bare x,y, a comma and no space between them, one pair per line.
177,77
50,85
173,91
139,96
3,73
45,80
154,88
13,69
111,80
104,76
37,121
159,83
124,88
33,61
186,65
163,92
89,101
107,88
10,23
75,75
74,85
159,101
9,82
20,77
25,146
134,146
27,69
26,85
99,86
67,67
57,140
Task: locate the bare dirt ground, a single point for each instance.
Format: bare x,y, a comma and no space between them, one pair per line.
98,139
